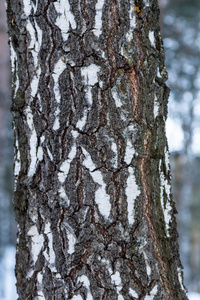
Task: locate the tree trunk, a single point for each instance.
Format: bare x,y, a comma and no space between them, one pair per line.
92,193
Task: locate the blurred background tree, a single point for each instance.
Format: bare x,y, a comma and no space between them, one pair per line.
180,27
180,23
7,224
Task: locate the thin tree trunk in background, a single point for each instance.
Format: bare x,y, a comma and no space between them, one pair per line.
5,155
92,193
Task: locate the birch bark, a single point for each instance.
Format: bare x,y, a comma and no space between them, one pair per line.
92,177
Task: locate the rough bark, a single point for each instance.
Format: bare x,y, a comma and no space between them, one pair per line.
92,194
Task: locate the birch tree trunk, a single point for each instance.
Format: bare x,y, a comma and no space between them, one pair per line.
92,176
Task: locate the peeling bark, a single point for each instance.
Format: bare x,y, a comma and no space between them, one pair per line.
92,177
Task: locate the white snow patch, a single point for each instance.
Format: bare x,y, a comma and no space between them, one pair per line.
90,75
37,242
101,197
133,293
98,18
194,296
152,294
132,191
152,38
130,151
8,280
64,17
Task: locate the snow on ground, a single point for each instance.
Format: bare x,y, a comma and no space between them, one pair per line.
7,279
194,296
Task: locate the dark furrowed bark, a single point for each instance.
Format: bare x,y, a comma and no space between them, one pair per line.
92,196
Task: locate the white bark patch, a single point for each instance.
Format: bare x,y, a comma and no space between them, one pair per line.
49,154
40,153
63,195
116,280
167,159
56,124
59,68
180,278
165,187
34,156
34,43
81,123
132,191
64,168
98,18
34,46
153,293
85,281
130,151
101,197
90,75
74,134
156,107
17,161
37,242
14,67
27,7
77,297
115,96
49,253
39,286
133,293
71,239
65,18
152,38
148,269
114,150
158,73
132,19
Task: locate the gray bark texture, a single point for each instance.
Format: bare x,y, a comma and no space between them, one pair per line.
92,177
